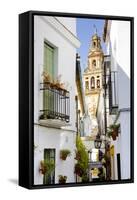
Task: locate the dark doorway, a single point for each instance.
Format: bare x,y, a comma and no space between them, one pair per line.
118,166
49,156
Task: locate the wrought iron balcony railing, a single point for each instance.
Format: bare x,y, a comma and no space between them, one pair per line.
56,104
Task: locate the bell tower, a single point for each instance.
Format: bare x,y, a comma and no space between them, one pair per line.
93,79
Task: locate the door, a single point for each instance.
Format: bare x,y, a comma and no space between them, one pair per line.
118,166
49,157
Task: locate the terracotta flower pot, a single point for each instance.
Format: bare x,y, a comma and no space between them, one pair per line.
78,156
116,131
46,84
62,181
63,157
78,170
114,136
42,169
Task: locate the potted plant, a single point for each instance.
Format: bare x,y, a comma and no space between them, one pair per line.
81,167
85,178
78,155
46,79
112,134
58,82
46,167
115,128
62,179
78,170
53,84
64,153
113,131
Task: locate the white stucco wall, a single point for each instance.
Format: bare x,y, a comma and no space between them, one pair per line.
64,65
119,49
56,139
65,44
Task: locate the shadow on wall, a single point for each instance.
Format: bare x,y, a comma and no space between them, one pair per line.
123,88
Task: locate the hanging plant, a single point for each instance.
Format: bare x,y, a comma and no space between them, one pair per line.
62,179
78,155
115,128
46,167
113,131
64,153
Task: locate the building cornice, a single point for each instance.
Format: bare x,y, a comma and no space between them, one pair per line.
62,30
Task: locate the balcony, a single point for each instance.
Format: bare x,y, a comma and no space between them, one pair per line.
56,104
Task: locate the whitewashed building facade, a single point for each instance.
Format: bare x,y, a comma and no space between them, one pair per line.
117,38
55,44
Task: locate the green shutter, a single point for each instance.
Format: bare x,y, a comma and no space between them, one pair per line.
49,59
49,68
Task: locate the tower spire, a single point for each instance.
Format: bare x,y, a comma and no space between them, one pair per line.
95,29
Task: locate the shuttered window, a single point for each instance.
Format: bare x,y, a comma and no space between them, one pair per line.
48,68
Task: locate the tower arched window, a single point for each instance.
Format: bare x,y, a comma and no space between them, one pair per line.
94,44
92,82
94,63
98,83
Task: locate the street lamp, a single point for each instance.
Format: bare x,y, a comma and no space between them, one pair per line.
97,142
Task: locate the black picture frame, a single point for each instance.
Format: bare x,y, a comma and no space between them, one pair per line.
26,97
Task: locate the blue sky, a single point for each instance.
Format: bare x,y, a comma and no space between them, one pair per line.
85,30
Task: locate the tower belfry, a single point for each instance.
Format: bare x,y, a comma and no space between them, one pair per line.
93,77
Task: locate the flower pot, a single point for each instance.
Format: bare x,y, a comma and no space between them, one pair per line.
62,181
78,156
114,136
52,85
116,131
42,169
63,157
46,84
64,153
78,170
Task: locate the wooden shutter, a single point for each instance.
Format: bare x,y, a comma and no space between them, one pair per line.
49,68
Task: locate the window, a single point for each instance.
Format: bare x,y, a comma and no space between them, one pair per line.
49,157
92,82
94,44
86,85
94,63
98,83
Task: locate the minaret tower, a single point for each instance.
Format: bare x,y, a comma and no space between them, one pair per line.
93,78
